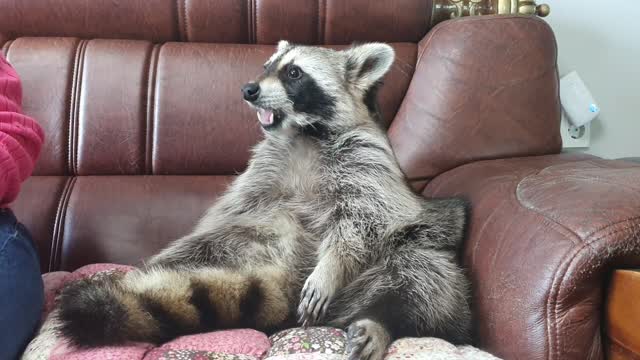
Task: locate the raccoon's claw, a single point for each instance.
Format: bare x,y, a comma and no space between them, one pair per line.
313,304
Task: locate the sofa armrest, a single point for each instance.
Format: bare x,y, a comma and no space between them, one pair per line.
491,81
545,234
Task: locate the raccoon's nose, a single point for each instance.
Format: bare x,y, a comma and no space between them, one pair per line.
251,91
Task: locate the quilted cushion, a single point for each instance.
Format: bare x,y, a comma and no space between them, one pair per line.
318,343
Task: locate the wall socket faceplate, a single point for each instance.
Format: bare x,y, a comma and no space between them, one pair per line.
574,137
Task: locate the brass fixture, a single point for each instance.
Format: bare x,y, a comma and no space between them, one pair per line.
450,9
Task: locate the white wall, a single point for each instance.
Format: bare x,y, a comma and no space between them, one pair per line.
601,41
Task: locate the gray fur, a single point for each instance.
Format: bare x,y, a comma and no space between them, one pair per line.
324,200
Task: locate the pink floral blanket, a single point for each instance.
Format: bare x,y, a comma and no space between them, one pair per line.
319,343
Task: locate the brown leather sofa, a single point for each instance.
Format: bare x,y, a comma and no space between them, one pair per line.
140,100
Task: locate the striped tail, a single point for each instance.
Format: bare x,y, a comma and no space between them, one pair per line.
158,305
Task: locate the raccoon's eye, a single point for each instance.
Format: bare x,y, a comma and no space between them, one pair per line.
294,72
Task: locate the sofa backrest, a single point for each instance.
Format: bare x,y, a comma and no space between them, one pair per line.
331,22
140,101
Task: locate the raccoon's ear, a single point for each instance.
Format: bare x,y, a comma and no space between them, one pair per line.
282,44
368,63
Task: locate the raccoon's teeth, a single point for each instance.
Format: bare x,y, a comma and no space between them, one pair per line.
265,116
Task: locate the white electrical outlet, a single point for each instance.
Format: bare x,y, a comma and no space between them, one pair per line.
573,136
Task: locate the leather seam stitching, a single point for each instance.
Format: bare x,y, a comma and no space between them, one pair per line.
257,20
68,109
322,11
145,101
556,289
248,12
56,228
74,71
185,21
324,21
254,21
150,107
58,225
250,21
74,74
319,3
74,106
180,6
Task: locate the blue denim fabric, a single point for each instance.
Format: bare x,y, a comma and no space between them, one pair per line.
21,291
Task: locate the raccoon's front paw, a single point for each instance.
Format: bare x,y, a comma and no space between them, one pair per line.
315,298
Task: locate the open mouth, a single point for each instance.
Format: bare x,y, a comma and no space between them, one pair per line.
268,117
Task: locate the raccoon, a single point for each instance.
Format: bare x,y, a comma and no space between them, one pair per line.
321,229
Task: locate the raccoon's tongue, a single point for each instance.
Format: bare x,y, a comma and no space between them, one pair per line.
265,116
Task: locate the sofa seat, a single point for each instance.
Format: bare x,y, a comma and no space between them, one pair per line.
321,343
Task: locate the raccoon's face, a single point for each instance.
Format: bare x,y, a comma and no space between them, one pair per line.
304,86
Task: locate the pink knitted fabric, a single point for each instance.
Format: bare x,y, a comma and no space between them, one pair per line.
20,136
250,343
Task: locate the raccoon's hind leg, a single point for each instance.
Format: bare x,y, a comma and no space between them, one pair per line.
413,292
359,308
223,246
157,305
367,339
